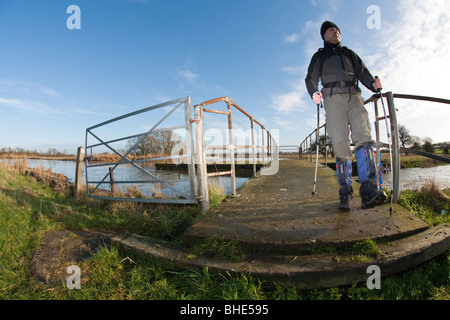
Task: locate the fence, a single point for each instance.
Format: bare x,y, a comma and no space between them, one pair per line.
152,188
263,150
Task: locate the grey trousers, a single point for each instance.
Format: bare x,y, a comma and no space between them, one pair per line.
344,117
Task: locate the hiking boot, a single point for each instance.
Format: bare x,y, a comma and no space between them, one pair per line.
375,199
370,195
345,195
344,204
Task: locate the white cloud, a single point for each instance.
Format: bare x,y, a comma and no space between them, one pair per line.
294,70
295,100
189,80
187,75
28,106
27,87
288,102
184,74
417,48
295,37
413,59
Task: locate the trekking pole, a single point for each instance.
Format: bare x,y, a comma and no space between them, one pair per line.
319,105
390,145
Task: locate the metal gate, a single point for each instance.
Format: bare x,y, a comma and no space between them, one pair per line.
130,173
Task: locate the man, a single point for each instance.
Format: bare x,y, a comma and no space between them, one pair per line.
339,70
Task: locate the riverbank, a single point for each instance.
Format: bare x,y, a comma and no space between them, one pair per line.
38,157
406,161
30,210
415,161
102,157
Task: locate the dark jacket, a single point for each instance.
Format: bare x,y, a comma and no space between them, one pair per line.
339,70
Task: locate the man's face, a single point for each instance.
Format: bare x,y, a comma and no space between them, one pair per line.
332,35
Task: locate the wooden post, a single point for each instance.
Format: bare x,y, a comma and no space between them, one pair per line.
111,179
79,172
24,165
201,159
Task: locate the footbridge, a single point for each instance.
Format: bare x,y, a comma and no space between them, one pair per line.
285,232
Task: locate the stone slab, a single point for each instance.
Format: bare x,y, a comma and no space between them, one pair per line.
305,271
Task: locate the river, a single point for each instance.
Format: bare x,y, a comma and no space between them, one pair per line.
178,180
412,178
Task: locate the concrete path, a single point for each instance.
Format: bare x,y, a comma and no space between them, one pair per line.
279,213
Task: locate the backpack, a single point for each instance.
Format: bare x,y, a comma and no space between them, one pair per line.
323,56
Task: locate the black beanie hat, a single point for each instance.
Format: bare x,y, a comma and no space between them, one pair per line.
326,25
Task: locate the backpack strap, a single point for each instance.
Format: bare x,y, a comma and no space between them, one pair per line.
321,53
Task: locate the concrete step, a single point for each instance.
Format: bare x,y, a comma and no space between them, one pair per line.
304,271
296,233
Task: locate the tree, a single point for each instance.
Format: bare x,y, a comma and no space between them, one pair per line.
405,138
428,145
445,148
322,147
416,143
159,142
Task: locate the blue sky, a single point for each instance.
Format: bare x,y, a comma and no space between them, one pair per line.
130,54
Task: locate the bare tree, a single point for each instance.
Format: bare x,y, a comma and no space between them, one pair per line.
405,138
159,142
325,146
416,142
428,145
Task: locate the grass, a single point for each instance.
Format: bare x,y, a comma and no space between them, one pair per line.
219,248
416,161
365,251
28,208
429,203
216,191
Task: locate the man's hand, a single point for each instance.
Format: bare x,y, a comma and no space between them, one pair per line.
317,97
377,84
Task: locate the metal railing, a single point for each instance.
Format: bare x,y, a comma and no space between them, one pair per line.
288,150
396,148
105,169
262,150
306,146
265,150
